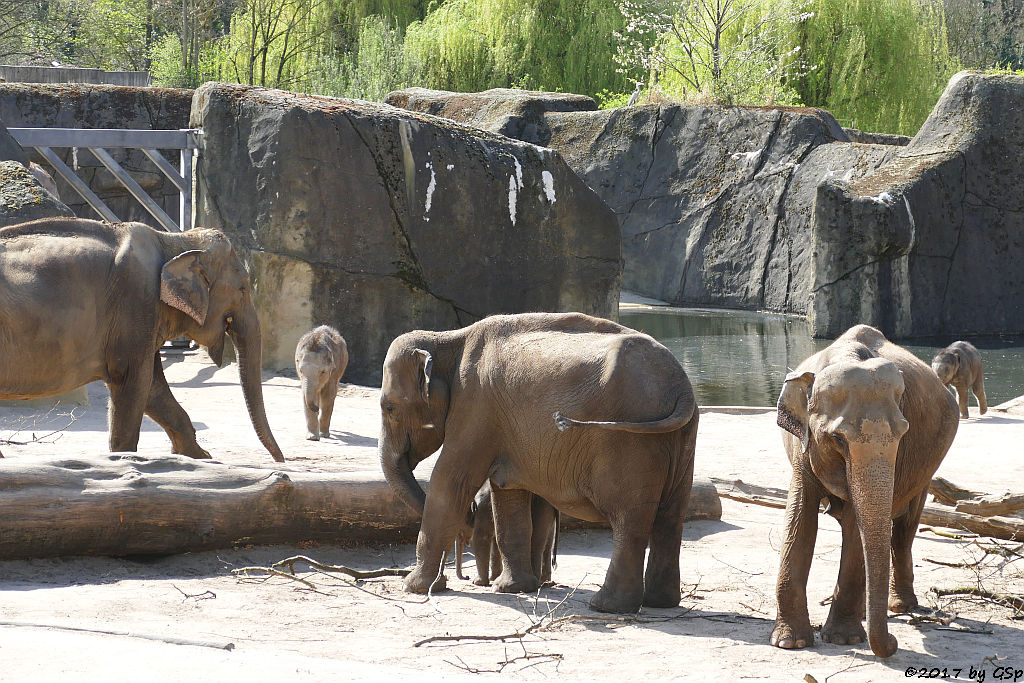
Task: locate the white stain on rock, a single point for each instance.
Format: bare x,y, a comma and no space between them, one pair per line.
747,156
512,195
549,185
913,225
431,186
519,173
450,167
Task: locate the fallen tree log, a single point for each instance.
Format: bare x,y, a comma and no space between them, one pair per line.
122,504
993,526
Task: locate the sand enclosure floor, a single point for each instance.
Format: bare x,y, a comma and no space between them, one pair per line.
115,619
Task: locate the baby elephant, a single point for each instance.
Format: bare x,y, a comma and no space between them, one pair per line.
320,360
959,364
483,538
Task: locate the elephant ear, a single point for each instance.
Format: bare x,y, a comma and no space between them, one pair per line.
792,406
185,286
426,363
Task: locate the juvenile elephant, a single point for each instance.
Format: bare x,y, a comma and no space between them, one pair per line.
82,300
320,360
493,395
489,562
959,364
866,425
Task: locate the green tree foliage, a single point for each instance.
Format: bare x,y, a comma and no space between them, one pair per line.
564,45
730,51
880,65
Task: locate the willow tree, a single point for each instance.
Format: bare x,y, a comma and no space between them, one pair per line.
880,64
730,51
564,45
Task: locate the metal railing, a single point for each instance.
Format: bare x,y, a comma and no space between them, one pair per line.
98,140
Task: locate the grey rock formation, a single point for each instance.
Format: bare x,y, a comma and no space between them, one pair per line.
856,135
23,199
780,209
518,114
376,220
30,105
932,242
10,150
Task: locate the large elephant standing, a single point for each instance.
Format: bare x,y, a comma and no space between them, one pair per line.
492,397
866,426
82,300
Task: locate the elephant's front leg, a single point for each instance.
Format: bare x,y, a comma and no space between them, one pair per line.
793,624
979,392
962,390
456,478
901,589
545,519
844,625
328,393
513,529
129,394
168,413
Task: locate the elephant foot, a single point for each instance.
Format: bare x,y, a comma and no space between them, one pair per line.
901,603
525,583
983,409
481,581
790,637
312,436
606,600
419,581
843,632
194,451
325,433
657,596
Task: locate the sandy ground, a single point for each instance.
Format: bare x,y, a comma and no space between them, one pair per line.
111,619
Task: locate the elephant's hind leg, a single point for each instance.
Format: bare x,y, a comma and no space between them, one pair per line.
979,392
901,590
513,529
661,580
623,588
168,413
844,624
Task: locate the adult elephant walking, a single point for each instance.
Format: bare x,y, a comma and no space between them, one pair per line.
82,300
866,426
596,418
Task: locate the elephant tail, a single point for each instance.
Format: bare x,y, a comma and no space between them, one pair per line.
680,417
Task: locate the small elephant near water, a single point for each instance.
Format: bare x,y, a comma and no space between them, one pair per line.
321,357
489,562
866,424
959,365
82,300
596,418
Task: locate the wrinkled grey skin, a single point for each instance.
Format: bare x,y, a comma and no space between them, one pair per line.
959,365
597,419
82,300
866,426
481,531
321,357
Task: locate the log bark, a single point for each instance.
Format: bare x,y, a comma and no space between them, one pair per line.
993,526
121,504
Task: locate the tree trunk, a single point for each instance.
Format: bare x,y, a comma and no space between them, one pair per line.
121,504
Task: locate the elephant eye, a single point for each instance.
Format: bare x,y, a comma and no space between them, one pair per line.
840,440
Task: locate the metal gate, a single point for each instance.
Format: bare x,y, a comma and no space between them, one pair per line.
98,140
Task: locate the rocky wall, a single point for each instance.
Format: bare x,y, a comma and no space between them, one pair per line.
377,220
31,105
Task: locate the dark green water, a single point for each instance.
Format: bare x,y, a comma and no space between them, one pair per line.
741,358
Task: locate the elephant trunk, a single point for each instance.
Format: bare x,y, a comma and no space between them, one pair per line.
310,394
245,333
871,488
397,468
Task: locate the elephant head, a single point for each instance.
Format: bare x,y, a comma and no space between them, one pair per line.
849,421
945,364
414,406
211,287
